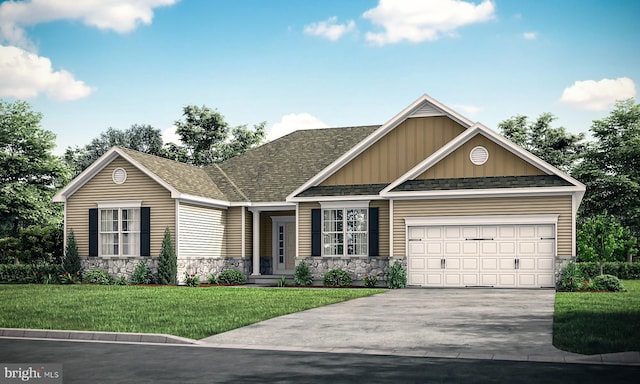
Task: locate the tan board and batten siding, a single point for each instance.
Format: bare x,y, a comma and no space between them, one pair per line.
398,151
138,186
304,230
201,231
487,206
501,162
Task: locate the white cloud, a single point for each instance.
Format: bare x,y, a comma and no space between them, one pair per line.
330,29
418,21
294,122
24,75
530,35
118,15
468,109
169,135
598,95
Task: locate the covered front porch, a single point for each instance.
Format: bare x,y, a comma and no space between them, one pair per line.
274,242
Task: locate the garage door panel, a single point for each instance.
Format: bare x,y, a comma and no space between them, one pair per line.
506,232
526,231
527,264
417,279
489,264
507,248
545,247
418,249
527,280
488,232
507,280
417,232
526,247
452,248
452,264
434,279
489,279
470,232
470,247
470,279
545,264
470,263
434,233
545,231
546,280
452,233
418,263
489,247
434,248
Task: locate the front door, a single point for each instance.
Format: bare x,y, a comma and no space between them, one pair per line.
284,244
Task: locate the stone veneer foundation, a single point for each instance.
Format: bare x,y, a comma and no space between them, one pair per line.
357,266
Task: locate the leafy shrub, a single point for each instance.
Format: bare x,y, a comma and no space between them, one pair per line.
142,274
41,244
603,238
71,260
571,278
337,278
97,276
232,277
9,250
30,273
302,275
370,281
121,280
607,283
167,263
212,279
191,280
396,277
620,269
70,278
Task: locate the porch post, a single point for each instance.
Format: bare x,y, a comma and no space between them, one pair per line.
256,242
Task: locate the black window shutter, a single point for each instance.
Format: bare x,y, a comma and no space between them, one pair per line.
374,230
93,232
145,231
316,232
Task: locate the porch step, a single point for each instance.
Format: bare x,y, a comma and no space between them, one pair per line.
269,279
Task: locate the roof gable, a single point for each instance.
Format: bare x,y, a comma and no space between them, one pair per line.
182,180
540,167
424,106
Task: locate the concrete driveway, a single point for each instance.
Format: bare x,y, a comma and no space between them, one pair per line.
508,324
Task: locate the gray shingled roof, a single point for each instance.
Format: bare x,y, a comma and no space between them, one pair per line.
273,170
343,190
482,182
185,178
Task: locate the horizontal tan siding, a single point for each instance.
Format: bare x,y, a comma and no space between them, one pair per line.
398,151
500,163
304,229
234,232
201,231
138,186
491,206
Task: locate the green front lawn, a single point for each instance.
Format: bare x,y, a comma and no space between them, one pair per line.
590,323
182,311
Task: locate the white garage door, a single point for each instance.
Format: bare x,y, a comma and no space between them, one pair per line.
515,256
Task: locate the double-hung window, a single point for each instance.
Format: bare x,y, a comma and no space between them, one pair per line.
119,229
345,229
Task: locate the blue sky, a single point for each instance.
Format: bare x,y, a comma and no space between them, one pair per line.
94,64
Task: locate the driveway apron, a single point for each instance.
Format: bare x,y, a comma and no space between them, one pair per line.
504,322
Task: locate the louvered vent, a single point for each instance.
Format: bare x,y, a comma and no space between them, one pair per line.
119,176
427,109
479,155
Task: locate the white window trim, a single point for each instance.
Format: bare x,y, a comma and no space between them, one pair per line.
481,220
344,205
119,205
359,204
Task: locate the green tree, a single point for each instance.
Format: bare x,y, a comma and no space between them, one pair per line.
167,263
29,172
602,238
71,260
611,167
207,138
139,137
556,146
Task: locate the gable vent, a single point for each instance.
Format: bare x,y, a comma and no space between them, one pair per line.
427,109
479,155
119,175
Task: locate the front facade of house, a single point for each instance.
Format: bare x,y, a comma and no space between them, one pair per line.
457,204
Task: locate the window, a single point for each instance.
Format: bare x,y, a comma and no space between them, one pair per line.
119,231
345,231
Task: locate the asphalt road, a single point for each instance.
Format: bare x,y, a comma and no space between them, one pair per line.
91,362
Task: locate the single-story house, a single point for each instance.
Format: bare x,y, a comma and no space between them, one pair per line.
456,203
